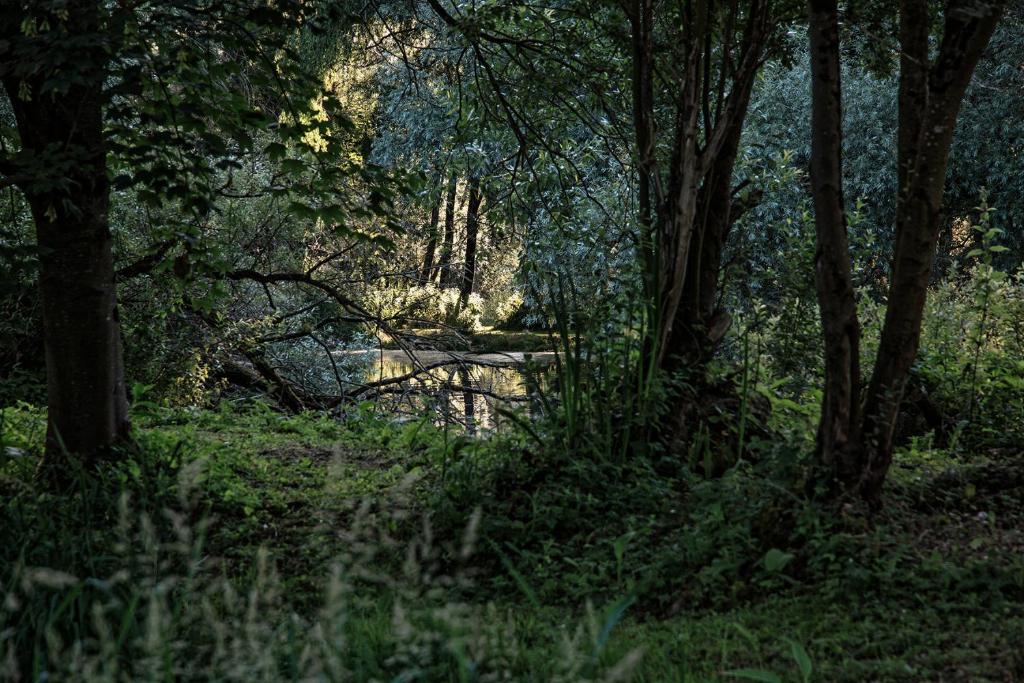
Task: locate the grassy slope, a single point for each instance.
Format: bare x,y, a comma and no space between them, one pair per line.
289,484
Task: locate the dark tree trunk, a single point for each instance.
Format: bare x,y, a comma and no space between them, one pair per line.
686,206
838,425
703,323
695,213
472,230
428,258
444,263
930,94
86,396
929,102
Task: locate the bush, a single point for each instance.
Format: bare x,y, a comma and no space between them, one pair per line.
402,302
968,381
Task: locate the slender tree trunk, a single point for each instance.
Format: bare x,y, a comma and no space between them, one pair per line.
929,102
838,425
472,230
930,94
679,214
428,259
444,263
641,16
86,396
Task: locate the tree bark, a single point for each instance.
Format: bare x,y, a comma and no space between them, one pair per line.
468,403
444,263
86,395
929,102
859,451
684,225
838,425
472,230
428,258
703,323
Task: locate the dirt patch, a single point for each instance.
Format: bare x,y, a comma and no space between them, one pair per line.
318,455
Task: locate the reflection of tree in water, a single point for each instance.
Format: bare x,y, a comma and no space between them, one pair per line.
469,412
459,388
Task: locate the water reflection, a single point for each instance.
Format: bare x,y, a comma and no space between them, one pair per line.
464,388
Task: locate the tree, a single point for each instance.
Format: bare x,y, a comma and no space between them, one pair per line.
426,274
472,228
691,69
62,171
860,442
833,274
104,91
929,100
444,263
687,201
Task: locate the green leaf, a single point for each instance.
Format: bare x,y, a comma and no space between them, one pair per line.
803,660
615,614
747,634
775,560
302,210
520,581
292,166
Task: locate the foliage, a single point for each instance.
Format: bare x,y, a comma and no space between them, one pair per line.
970,369
291,192
153,604
353,582
427,303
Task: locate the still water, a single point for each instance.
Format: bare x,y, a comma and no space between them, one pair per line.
463,388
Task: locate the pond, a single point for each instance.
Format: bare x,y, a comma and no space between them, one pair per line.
462,388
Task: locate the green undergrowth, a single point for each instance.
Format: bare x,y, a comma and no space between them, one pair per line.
245,544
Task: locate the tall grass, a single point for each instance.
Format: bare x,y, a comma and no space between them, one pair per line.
127,590
609,396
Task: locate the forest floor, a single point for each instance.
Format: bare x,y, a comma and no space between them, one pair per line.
930,590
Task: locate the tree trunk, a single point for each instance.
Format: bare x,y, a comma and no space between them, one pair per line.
838,425
472,230
930,94
688,222
702,323
444,263
684,223
428,259
468,404
86,396
929,102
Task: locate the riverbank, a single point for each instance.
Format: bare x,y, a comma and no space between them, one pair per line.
485,340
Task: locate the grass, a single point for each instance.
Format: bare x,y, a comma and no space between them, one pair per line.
930,591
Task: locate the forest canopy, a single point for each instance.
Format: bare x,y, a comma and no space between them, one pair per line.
465,308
